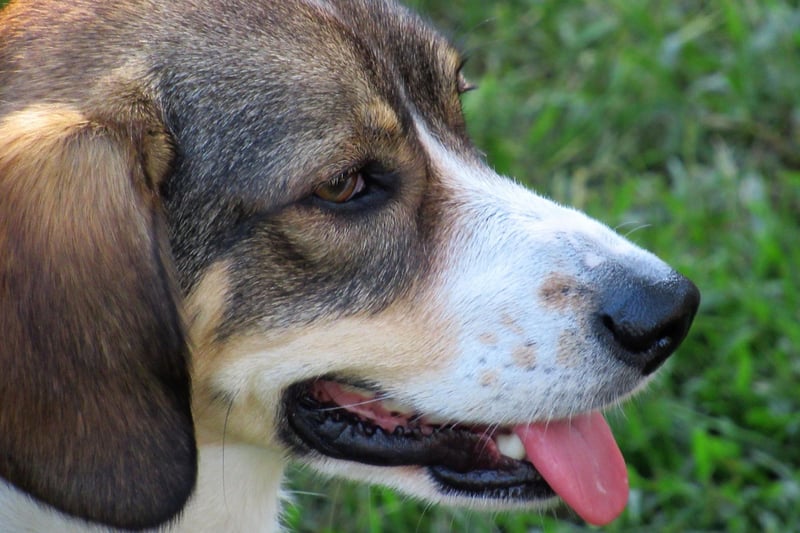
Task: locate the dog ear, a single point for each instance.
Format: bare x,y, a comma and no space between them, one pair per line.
95,413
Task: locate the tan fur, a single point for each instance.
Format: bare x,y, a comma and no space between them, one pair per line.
380,118
67,147
204,310
358,344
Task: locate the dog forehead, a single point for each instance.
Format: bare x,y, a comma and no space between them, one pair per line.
276,76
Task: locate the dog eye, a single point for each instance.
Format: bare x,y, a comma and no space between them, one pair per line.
342,188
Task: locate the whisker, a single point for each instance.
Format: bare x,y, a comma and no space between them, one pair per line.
305,493
425,509
355,404
487,436
637,228
624,224
224,439
415,418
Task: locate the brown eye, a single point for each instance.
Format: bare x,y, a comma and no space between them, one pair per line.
341,188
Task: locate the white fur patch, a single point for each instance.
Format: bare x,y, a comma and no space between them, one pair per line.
521,283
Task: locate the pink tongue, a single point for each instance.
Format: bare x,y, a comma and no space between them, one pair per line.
580,460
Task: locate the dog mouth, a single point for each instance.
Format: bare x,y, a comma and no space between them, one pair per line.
576,459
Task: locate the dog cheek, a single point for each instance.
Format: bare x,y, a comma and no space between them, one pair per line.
304,266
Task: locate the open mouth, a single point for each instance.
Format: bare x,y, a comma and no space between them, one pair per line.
576,459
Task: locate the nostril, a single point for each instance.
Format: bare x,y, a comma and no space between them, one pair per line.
639,342
649,321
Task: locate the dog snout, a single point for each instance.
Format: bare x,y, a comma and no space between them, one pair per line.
646,320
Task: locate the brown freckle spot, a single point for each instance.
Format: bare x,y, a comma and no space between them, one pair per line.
570,348
487,338
562,292
525,356
489,378
511,323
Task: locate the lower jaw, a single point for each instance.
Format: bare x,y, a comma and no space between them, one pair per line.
491,485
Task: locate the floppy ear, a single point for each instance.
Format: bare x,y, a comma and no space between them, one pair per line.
95,413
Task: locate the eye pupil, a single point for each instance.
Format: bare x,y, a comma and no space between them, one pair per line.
342,188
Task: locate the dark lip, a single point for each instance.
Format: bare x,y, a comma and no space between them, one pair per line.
457,459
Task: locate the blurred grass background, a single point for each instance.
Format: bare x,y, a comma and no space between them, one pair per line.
678,123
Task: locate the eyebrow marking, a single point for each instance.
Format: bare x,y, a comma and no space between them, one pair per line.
379,117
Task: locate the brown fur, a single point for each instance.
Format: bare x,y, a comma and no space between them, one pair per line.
118,122
86,303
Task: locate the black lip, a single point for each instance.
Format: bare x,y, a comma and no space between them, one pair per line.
457,459
519,482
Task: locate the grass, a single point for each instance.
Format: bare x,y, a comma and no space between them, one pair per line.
679,124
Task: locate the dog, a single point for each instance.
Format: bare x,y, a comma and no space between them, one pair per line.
239,234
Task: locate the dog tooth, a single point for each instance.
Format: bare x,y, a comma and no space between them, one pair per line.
511,446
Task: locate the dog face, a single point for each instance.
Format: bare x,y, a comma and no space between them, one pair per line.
290,187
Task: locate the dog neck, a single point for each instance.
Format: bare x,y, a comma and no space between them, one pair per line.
238,490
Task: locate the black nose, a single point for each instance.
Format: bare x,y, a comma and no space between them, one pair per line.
647,319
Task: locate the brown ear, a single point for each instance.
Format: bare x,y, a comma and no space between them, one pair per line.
94,386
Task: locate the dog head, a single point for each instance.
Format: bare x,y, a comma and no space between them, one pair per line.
289,186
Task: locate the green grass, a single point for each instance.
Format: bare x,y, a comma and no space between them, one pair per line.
678,123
